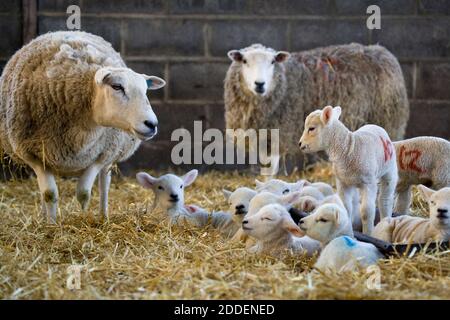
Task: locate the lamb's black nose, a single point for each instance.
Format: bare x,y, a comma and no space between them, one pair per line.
174,196
240,207
300,144
442,213
245,222
301,222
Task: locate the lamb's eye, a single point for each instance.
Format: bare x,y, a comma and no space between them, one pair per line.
244,61
273,61
266,218
432,203
285,191
118,87
181,187
323,220
311,129
160,188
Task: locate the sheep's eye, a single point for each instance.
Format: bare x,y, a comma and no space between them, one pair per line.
118,87
311,129
267,218
160,188
244,61
323,220
432,202
181,187
285,191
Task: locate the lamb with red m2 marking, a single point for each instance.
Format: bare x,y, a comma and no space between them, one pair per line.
361,159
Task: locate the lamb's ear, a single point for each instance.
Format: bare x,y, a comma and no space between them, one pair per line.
305,182
282,56
308,203
146,180
297,186
258,183
235,55
425,192
226,193
337,217
327,115
190,208
101,75
189,177
153,82
289,225
337,112
290,199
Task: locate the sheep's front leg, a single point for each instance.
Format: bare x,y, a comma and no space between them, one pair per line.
49,191
387,193
104,182
369,198
85,184
346,195
403,200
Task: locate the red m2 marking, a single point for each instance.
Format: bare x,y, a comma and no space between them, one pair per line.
388,149
407,159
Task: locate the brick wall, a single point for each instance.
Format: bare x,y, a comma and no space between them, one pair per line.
185,42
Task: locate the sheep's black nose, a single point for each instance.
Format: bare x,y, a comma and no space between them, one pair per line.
442,213
240,207
245,222
259,84
150,125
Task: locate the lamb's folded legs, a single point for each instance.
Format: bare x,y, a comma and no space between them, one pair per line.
368,194
49,191
85,184
104,181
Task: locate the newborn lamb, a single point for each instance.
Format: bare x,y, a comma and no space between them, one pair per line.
361,159
406,229
276,232
331,225
239,201
280,187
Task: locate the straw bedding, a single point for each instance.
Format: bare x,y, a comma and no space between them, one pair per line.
137,256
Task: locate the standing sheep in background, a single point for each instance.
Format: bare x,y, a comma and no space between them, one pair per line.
267,89
406,229
69,106
421,160
361,159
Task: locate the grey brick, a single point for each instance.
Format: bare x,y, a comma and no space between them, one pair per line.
433,81
122,6
429,37
164,37
228,35
289,7
429,119
202,80
151,69
173,116
397,7
150,155
408,70
318,33
108,28
10,6
57,5
434,7
11,38
209,6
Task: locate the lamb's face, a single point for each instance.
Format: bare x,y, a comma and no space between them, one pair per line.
324,223
317,129
169,188
269,222
239,201
278,187
258,65
121,101
439,204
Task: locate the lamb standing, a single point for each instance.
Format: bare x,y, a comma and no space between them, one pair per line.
421,160
330,224
267,89
406,229
275,232
361,159
69,105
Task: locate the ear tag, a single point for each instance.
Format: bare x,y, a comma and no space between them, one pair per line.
149,82
349,241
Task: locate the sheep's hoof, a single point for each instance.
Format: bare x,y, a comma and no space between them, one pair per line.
83,197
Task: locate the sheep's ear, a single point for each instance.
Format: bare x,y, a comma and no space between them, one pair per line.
226,193
153,82
291,198
146,180
259,184
297,186
102,75
189,177
308,204
425,192
289,225
327,115
282,56
235,55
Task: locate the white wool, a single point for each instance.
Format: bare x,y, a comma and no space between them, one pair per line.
421,160
275,232
330,224
323,187
406,229
361,160
278,186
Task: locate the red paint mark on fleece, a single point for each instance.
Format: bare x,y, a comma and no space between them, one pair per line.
388,149
408,159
